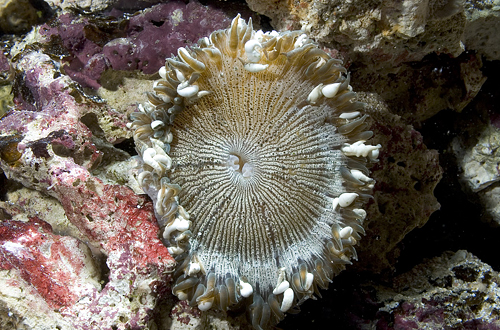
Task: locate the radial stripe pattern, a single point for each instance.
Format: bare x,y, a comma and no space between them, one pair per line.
254,152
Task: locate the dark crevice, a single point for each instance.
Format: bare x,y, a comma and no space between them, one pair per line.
128,146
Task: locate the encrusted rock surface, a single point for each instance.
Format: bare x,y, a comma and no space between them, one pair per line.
403,198
480,162
185,317
48,145
477,151
56,271
81,5
455,290
481,32
17,16
452,291
438,83
142,42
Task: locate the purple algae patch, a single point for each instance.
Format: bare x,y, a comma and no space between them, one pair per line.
142,42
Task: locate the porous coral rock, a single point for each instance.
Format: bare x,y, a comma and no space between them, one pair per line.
403,198
22,307
36,90
437,83
99,6
52,141
476,150
480,162
185,317
5,99
81,5
377,33
474,140
122,90
481,32
455,291
5,86
37,204
59,268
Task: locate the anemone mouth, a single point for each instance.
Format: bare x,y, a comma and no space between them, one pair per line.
253,153
241,163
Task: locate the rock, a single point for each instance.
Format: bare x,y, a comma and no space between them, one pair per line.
437,83
476,151
403,198
185,316
455,291
5,87
190,318
99,6
80,5
5,99
90,47
378,33
479,162
58,270
481,31
50,144
17,16
37,204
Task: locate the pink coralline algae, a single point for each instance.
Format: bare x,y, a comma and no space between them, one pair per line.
90,47
182,312
49,145
42,260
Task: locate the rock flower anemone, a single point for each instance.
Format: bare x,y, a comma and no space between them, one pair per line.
253,151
